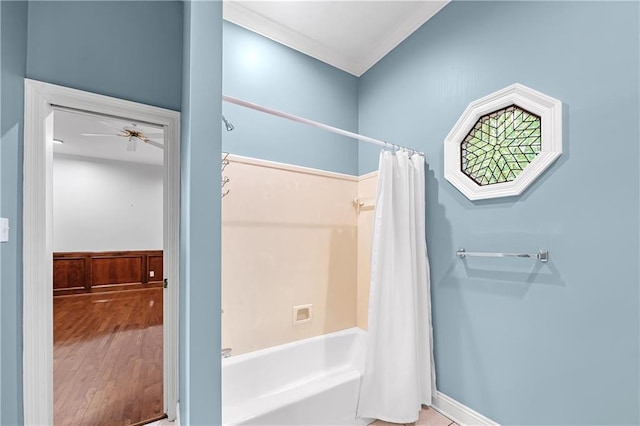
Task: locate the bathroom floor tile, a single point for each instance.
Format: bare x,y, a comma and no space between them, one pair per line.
427,417
430,417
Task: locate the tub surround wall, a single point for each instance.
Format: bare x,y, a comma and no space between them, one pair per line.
289,238
292,236
518,341
367,187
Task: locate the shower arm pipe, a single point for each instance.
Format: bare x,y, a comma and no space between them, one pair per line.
312,123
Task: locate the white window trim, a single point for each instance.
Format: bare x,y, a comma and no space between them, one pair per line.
550,111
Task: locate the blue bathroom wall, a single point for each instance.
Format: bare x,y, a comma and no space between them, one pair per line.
200,322
127,49
13,60
261,71
101,47
523,342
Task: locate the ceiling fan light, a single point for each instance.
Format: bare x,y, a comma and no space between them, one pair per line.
131,145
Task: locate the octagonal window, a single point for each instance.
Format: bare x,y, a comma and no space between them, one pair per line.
503,142
500,145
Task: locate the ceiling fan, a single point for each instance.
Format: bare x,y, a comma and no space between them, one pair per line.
133,134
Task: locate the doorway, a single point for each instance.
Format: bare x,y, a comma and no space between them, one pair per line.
144,280
107,269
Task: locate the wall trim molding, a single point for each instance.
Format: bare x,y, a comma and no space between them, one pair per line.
290,167
40,100
299,169
369,175
458,412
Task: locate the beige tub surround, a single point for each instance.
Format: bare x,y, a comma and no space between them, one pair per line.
289,238
293,236
367,186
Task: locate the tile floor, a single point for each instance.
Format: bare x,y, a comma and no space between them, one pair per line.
428,417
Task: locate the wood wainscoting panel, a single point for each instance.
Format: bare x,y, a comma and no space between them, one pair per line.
117,269
71,274
154,265
85,272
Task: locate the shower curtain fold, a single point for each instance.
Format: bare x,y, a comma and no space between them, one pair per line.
399,373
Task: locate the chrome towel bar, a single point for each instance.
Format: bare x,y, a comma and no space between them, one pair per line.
542,255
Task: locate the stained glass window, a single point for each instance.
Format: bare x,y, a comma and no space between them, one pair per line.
500,145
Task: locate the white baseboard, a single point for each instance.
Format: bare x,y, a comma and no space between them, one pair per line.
459,413
448,407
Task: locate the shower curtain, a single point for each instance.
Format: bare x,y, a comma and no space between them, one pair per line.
399,373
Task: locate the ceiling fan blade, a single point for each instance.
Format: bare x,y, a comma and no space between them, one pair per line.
154,143
153,132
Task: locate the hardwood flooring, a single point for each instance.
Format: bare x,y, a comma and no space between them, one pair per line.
108,358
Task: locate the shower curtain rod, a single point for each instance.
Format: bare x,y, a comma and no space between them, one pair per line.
312,123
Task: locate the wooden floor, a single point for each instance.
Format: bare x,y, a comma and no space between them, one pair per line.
108,358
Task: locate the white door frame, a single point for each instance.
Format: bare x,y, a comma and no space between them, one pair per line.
40,98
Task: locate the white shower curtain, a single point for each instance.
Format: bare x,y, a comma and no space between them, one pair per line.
399,372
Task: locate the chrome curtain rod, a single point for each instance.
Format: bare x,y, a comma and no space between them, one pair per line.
312,123
542,255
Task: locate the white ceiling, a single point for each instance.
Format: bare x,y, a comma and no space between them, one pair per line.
350,35
69,127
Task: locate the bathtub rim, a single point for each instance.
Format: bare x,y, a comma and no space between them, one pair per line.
235,359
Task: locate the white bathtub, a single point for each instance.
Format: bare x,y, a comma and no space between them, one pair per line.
314,381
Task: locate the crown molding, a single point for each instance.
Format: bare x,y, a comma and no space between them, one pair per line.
239,14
